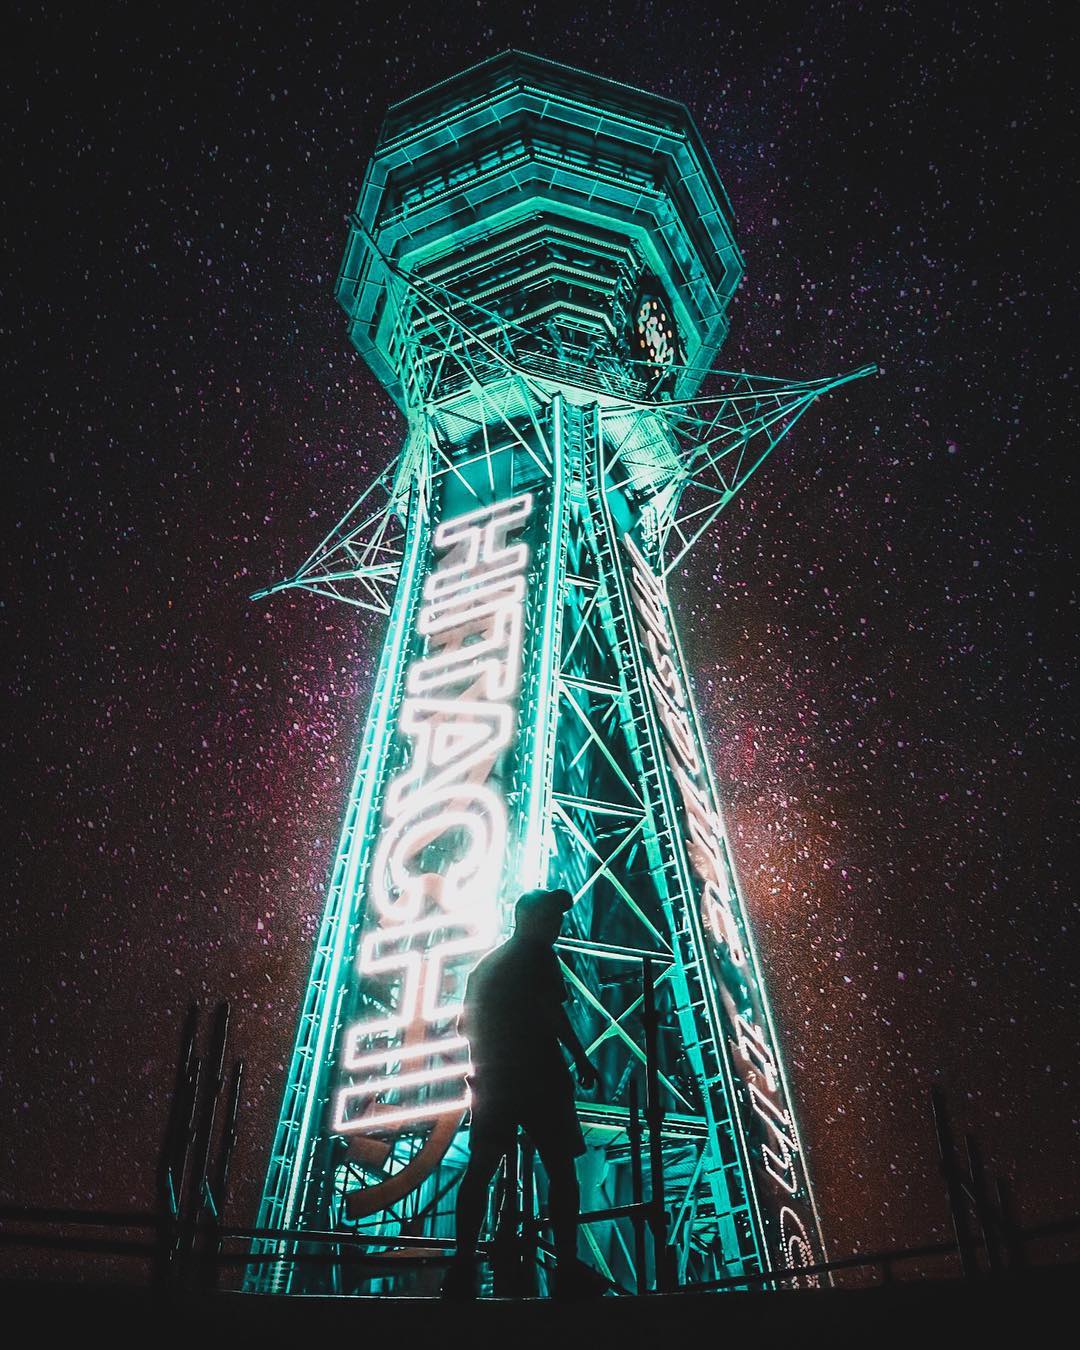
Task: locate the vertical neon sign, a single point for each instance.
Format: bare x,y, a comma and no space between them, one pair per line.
767,1120
434,886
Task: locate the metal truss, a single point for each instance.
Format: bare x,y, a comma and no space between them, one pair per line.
633,900
476,391
709,448
687,457
359,561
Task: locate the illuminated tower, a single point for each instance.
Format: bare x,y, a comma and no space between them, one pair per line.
538,271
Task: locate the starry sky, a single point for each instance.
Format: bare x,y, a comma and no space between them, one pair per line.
881,625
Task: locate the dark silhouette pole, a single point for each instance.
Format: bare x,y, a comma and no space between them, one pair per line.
954,1185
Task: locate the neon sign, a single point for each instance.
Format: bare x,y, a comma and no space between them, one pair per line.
439,857
776,1153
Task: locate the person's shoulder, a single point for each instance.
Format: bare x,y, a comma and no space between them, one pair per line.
488,964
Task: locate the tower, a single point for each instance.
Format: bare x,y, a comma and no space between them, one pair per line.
538,271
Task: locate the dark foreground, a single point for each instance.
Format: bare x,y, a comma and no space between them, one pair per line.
919,1315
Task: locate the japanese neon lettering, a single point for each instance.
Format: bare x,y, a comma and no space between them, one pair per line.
753,1057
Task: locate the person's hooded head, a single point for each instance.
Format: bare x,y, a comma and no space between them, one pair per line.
538,915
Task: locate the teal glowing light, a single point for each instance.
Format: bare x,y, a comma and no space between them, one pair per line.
538,271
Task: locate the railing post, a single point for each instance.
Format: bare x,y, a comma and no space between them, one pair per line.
984,1214
529,1232
1012,1235
954,1185
637,1188
506,1248
204,1130
654,1118
176,1150
218,1188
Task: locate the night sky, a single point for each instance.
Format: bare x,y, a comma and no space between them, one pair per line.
880,627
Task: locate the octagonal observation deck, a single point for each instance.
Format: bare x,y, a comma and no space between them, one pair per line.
550,207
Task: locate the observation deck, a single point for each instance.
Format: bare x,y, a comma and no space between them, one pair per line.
576,225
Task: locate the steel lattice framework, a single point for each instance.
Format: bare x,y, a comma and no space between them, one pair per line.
538,270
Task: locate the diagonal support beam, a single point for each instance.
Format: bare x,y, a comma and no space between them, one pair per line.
359,559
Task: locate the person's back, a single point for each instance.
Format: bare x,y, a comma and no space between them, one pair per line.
513,1002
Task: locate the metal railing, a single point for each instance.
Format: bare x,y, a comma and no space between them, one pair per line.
194,1255
186,1244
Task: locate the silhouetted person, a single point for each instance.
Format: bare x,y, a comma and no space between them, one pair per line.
515,1020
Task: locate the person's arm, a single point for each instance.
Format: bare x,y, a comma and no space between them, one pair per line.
587,1075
